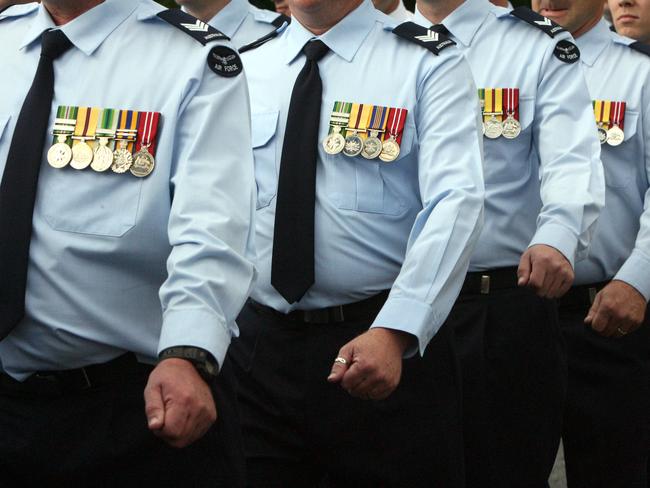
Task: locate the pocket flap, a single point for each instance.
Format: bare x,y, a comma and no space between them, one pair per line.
264,126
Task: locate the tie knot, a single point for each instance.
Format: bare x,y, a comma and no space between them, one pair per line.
315,50
440,29
54,43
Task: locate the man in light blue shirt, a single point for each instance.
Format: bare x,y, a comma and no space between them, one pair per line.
390,231
139,232
604,318
239,20
544,191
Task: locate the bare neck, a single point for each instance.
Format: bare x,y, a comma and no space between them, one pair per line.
435,11
64,11
393,6
206,11
590,24
324,16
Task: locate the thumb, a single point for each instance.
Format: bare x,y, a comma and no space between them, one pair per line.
523,272
154,407
341,364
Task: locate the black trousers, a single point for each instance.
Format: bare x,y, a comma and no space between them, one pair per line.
607,419
514,384
301,431
98,437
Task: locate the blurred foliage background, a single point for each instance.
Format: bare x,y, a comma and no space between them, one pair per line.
269,4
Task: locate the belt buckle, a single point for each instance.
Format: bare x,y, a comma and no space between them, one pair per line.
485,285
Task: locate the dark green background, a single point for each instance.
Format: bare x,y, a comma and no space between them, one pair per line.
269,4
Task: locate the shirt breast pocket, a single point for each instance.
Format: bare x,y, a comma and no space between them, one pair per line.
507,159
621,162
264,126
362,185
86,202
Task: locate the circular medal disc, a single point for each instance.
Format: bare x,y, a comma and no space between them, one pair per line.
615,136
511,128
103,159
143,164
602,135
390,151
122,161
353,146
493,128
371,148
334,143
59,155
82,156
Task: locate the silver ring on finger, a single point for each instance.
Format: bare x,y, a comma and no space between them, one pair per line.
621,331
341,360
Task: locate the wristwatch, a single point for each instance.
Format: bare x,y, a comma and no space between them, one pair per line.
202,360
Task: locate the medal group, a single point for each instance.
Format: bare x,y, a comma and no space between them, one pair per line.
102,139
500,108
371,131
610,119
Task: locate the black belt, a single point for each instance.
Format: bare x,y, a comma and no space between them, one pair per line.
582,296
484,282
364,309
119,369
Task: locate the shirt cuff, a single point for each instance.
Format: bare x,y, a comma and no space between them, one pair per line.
409,316
636,273
560,238
196,328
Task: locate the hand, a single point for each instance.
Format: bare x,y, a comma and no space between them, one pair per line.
617,306
178,403
545,270
373,363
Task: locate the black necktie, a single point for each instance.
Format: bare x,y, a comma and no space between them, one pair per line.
292,270
18,187
440,29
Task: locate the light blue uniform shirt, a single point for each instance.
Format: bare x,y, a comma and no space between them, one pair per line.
621,245
546,186
408,226
104,243
243,22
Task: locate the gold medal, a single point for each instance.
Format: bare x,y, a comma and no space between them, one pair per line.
334,142
122,158
493,128
125,136
390,150
82,155
60,154
353,145
511,127
143,163
103,158
615,136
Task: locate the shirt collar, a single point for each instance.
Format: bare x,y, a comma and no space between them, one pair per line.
464,22
231,17
88,31
593,42
344,39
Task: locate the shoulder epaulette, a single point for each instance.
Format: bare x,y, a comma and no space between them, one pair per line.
431,40
280,20
264,39
202,32
547,26
640,47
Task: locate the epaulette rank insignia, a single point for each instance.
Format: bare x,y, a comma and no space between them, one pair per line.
547,26
223,60
429,39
